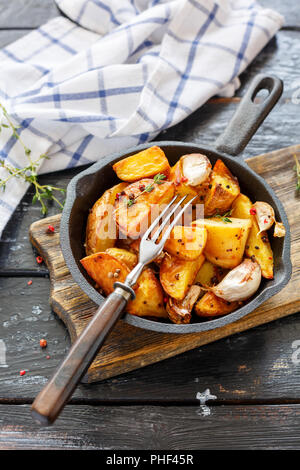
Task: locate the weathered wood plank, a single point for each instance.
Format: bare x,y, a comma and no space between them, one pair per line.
8,36
289,9
155,428
33,13
257,365
25,318
26,13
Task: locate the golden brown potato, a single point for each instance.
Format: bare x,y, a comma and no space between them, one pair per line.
257,246
180,311
125,256
135,246
226,241
212,306
186,242
149,299
134,220
177,275
144,164
223,190
101,230
209,274
105,269
241,207
124,243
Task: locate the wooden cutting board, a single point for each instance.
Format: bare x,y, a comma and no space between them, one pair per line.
128,347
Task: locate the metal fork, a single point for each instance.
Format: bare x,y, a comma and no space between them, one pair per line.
53,397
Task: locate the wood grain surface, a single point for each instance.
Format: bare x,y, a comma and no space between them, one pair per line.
155,428
129,347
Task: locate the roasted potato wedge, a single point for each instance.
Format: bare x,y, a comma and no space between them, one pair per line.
101,228
180,311
133,221
144,164
241,207
177,275
209,274
212,306
257,246
124,243
125,256
225,244
135,247
223,189
186,242
102,267
149,299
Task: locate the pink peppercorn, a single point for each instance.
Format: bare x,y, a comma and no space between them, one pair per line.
50,229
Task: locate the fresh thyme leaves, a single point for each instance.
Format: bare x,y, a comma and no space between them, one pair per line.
149,188
29,172
158,179
297,169
130,202
224,217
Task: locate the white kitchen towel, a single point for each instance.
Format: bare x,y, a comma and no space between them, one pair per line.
117,73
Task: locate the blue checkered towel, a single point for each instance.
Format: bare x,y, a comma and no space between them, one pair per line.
119,72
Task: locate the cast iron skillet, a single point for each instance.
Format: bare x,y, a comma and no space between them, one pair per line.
89,185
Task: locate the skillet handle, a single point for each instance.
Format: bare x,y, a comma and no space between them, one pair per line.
249,115
52,398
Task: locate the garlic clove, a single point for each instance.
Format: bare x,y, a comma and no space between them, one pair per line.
264,214
196,168
279,230
240,283
180,311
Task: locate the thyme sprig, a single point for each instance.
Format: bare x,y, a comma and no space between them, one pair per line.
224,217
158,179
29,172
297,169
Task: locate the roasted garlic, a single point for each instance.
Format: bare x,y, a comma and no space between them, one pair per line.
240,283
264,214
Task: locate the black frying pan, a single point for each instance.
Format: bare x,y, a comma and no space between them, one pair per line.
89,185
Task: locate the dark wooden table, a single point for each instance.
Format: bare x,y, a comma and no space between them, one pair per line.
255,375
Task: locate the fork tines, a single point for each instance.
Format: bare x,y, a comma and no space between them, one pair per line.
166,215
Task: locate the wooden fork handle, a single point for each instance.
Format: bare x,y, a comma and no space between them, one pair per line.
52,398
